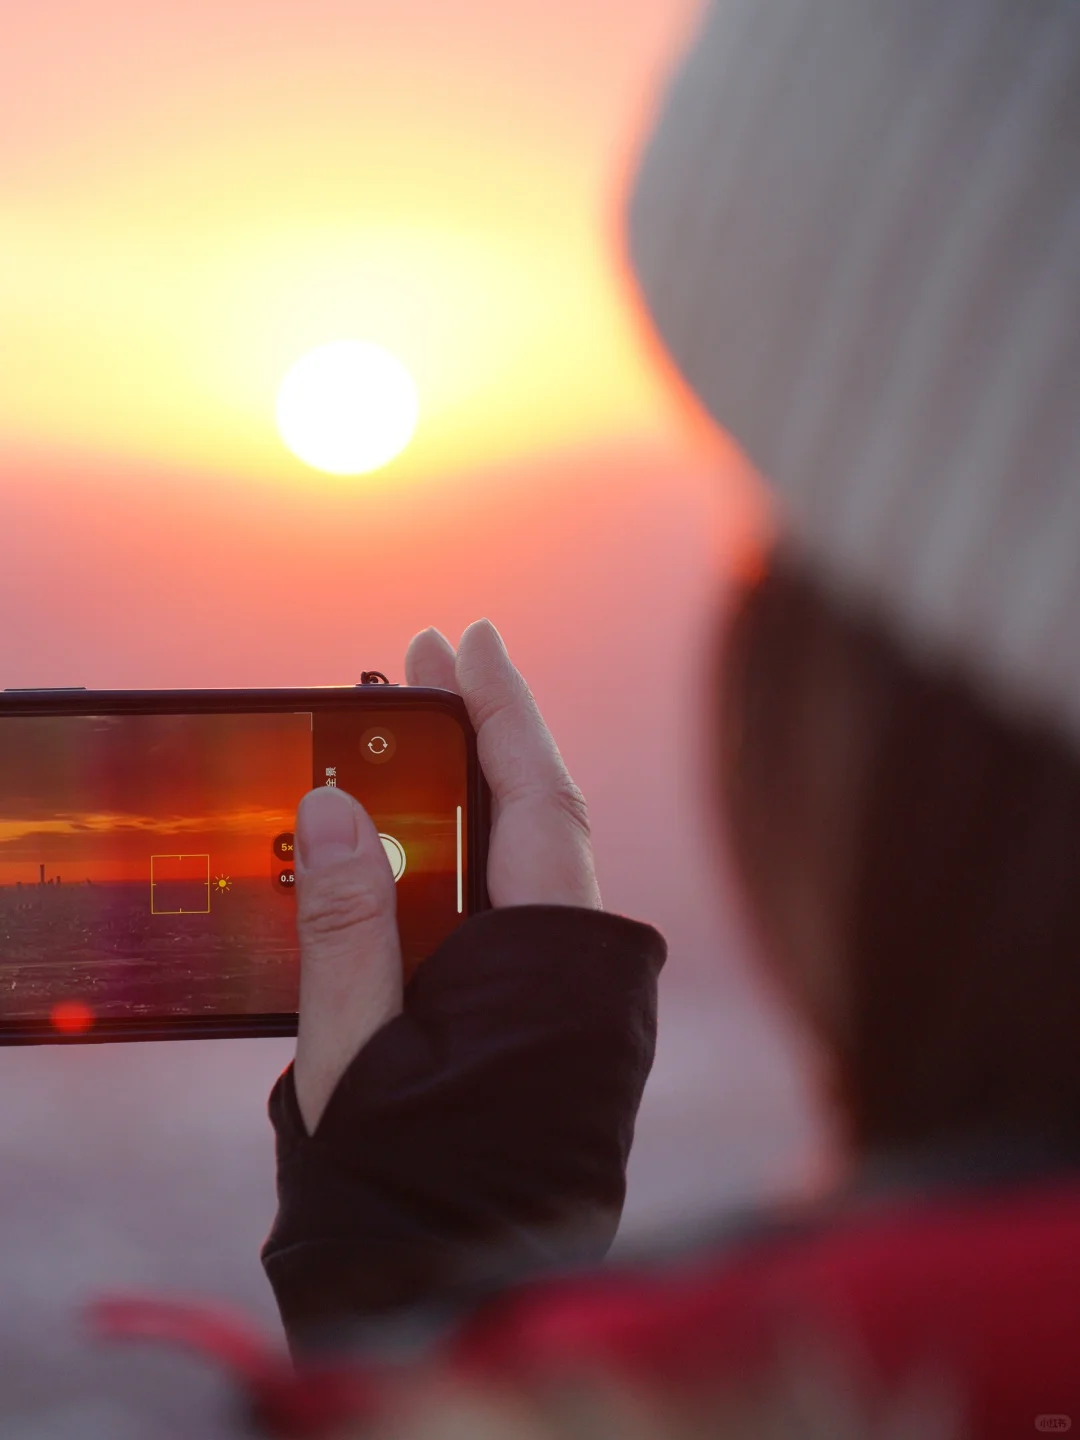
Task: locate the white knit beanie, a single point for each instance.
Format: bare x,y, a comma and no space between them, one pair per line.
857,230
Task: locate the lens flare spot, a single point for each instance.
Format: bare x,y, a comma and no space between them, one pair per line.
72,1017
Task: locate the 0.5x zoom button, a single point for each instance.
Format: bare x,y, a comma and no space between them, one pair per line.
286,879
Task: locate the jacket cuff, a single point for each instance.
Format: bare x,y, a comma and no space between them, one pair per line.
480,1137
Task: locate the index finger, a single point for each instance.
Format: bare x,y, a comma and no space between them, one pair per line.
429,660
517,750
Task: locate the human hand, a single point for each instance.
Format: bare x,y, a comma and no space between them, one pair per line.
540,854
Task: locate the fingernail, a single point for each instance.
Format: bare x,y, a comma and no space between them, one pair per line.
325,827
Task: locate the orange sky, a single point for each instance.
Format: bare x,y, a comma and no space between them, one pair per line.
192,196
108,848
94,797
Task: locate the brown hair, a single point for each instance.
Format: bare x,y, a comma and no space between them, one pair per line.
952,832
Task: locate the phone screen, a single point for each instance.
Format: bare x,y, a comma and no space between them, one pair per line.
146,860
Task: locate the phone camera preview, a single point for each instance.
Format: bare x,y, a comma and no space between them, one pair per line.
377,745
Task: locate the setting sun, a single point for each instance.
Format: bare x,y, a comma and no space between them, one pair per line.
347,408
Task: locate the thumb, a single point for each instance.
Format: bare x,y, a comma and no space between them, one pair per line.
350,953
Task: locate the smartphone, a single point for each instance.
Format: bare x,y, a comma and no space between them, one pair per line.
146,847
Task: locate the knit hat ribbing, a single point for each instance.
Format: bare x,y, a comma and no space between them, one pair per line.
857,230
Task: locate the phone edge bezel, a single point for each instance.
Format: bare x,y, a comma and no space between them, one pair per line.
211,700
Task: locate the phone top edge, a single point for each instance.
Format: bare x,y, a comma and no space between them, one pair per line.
79,699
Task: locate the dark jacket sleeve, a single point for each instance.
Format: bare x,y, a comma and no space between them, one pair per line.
481,1137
